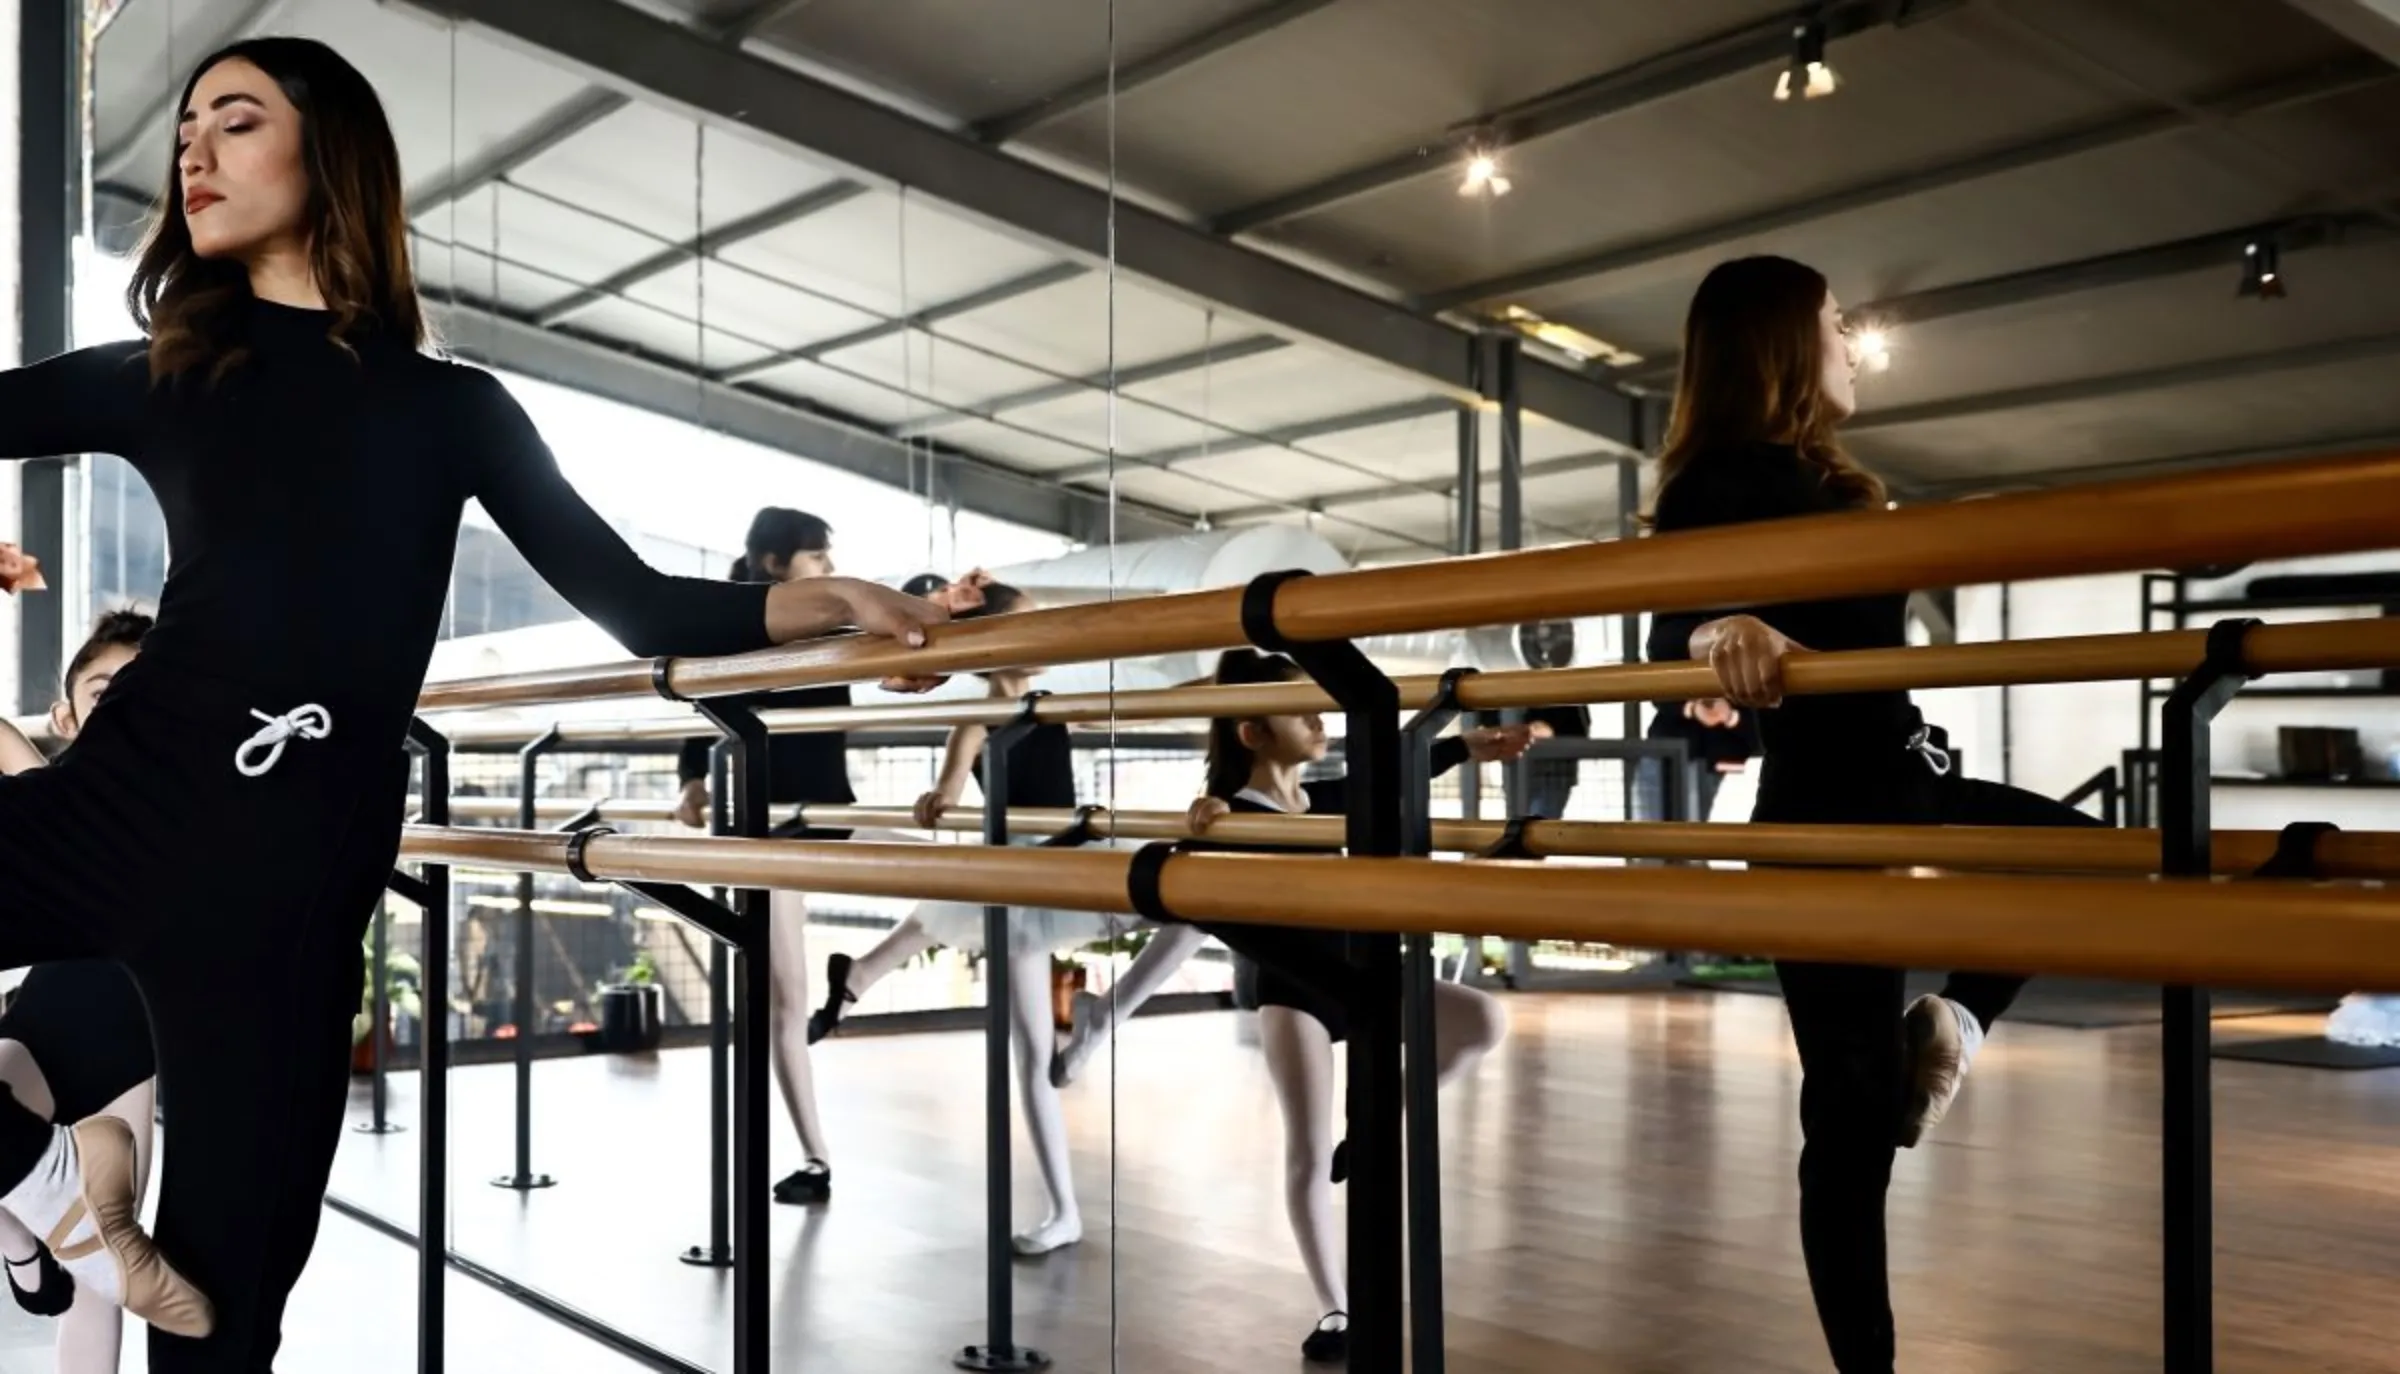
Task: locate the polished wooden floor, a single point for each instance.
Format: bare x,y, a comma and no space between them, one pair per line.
1619,1198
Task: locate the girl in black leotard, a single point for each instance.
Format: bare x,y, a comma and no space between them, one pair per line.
230,812
1767,375
75,1041
789,546
1304,981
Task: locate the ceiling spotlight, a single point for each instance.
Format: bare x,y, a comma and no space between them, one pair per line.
1202,525
1809,73
2262,270
1874,348
1482,176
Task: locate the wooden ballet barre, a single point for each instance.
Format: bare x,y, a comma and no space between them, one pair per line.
2231,515
607,810
2256,934
2339,854
2315,646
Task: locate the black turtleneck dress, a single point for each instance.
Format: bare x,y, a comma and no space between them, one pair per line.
312,499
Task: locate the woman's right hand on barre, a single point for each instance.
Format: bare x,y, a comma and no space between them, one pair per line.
692,807
1204,813
930,808
1746,654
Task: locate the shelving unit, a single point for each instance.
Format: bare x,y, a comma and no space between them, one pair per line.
2166,606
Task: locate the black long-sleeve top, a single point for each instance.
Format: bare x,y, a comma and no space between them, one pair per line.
1771,482
312,501
800,768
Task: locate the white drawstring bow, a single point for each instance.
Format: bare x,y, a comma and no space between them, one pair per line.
301,722
1936,757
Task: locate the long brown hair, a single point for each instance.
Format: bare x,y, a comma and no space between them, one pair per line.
1230,761
1754,372
357,223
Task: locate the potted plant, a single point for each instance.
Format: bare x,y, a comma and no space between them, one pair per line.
632,1008
403,980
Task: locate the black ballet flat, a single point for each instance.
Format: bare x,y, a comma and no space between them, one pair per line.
1341,1161
1328,1345
828,1018
57,1291
806,1186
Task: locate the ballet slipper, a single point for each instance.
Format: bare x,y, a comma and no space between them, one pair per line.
115,1258
1055,1234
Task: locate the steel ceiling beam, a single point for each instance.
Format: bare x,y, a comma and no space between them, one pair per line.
481,333
2321,82
1241,28
2149,379
1415,409
571,117
2380,440
2150,262
1358,496
689,71
1050,274
997,131
707,244
1767,42
1106,378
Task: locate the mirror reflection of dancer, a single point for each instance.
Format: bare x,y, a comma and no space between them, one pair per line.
1719,740
75,1043
1304,983
1768,374
229,814
1041,773
788,546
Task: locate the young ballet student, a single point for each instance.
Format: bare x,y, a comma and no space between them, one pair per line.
1255,766
1768,375
75,1042
1041,773
788,546
228,816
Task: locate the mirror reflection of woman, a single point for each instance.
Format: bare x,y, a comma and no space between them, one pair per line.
1768,375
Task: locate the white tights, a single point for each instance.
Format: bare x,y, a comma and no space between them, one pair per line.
1033,1036
1467,1025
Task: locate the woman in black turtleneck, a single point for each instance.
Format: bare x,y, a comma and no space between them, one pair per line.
1768,372
231,809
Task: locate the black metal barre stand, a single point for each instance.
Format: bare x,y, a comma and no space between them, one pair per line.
430,890
522,1178
2185,1130
1416,1016
1000,1350
379,1023
717,1251
746,930
1370,703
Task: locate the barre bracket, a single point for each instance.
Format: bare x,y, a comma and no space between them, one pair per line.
2296,851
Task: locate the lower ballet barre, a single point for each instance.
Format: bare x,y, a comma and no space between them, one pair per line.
2327,853
2261,933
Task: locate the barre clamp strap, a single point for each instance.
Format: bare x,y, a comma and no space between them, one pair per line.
1511,844
577,844
1141,882
1258,610
2296,851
